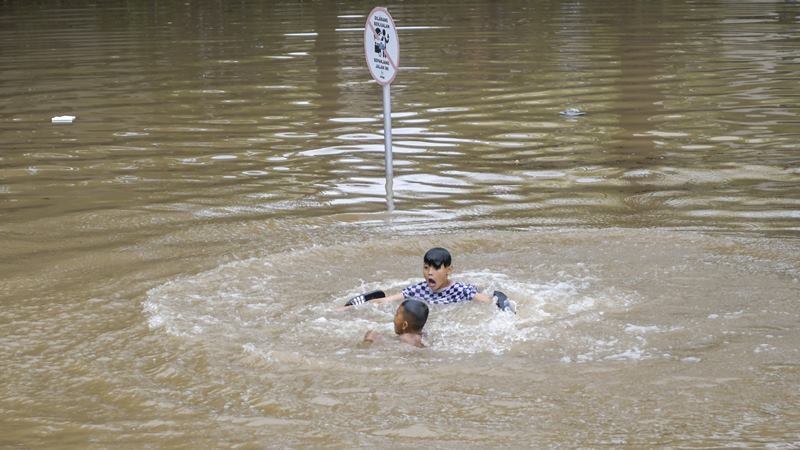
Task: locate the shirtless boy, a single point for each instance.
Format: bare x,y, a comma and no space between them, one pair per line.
409,319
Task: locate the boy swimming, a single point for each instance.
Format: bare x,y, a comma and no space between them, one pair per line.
409,319
437,288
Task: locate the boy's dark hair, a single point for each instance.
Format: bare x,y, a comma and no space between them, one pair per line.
416,313
438,257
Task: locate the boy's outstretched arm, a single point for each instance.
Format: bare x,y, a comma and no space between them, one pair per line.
387,299
483,298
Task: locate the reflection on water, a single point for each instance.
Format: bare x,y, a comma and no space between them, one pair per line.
483,100
171,260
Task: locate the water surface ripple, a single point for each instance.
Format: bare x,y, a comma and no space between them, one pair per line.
171,261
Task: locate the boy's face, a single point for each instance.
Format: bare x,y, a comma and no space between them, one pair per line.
436,278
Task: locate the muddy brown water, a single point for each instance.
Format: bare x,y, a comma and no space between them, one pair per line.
172,260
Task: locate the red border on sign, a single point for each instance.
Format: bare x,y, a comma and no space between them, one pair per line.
395,64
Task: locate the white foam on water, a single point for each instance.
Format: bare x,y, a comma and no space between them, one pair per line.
254,306
641,329
219,300
475,327
634,354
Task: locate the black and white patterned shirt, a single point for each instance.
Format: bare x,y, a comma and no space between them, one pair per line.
455,293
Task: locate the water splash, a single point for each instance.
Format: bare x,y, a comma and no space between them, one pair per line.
254,305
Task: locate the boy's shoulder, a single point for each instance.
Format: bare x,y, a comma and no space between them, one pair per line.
412,339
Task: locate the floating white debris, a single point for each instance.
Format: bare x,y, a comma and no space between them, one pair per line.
572,112
63,119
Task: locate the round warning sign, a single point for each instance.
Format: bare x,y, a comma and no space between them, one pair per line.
381,46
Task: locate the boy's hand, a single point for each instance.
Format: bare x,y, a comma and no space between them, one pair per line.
502,302
374,296
372,336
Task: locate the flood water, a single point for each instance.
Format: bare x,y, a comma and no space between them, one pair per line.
171,262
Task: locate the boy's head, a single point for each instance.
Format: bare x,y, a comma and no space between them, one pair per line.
437,268
437,257
411,316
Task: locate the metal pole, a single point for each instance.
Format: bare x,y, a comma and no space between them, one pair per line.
387,143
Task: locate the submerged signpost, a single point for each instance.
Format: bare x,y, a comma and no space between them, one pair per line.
382,50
